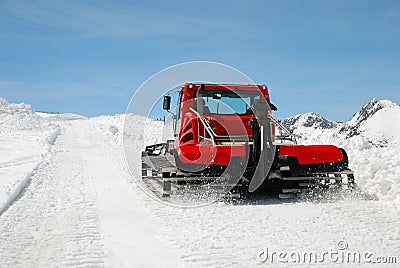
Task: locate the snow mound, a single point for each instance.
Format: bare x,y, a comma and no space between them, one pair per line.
61,117
25,141
137,129
375,168
112,127
16,117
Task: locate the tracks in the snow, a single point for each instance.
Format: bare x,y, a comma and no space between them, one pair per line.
55,221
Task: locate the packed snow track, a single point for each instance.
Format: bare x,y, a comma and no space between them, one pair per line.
79,210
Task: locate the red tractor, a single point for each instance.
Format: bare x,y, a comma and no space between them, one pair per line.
229,131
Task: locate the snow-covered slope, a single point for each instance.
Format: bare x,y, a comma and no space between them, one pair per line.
19,117
25,139
378,121
371,138
142,130
313,128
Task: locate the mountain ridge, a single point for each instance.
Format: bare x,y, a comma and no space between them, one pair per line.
377,121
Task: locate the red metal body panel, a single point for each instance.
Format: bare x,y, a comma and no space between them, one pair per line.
312,154
207,154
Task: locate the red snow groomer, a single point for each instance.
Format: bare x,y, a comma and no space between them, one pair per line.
228,131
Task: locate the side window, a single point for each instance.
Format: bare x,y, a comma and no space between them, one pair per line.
178,116
177,121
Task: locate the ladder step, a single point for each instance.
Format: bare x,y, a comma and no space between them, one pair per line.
284,168
285,191
287,196
299,178
308,184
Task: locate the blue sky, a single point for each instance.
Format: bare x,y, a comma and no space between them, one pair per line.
88,57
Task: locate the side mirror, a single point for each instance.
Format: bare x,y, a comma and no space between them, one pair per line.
273,107
167,103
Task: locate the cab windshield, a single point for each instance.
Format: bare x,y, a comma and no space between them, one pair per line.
226,102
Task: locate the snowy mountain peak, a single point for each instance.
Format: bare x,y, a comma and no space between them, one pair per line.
378,123
369,109
312,119
389,104
382,126
378,120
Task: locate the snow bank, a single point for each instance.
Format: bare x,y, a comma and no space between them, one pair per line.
61,117
376,168
137,129
25,140
18,117
112,127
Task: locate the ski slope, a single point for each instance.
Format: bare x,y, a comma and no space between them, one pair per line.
80,207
